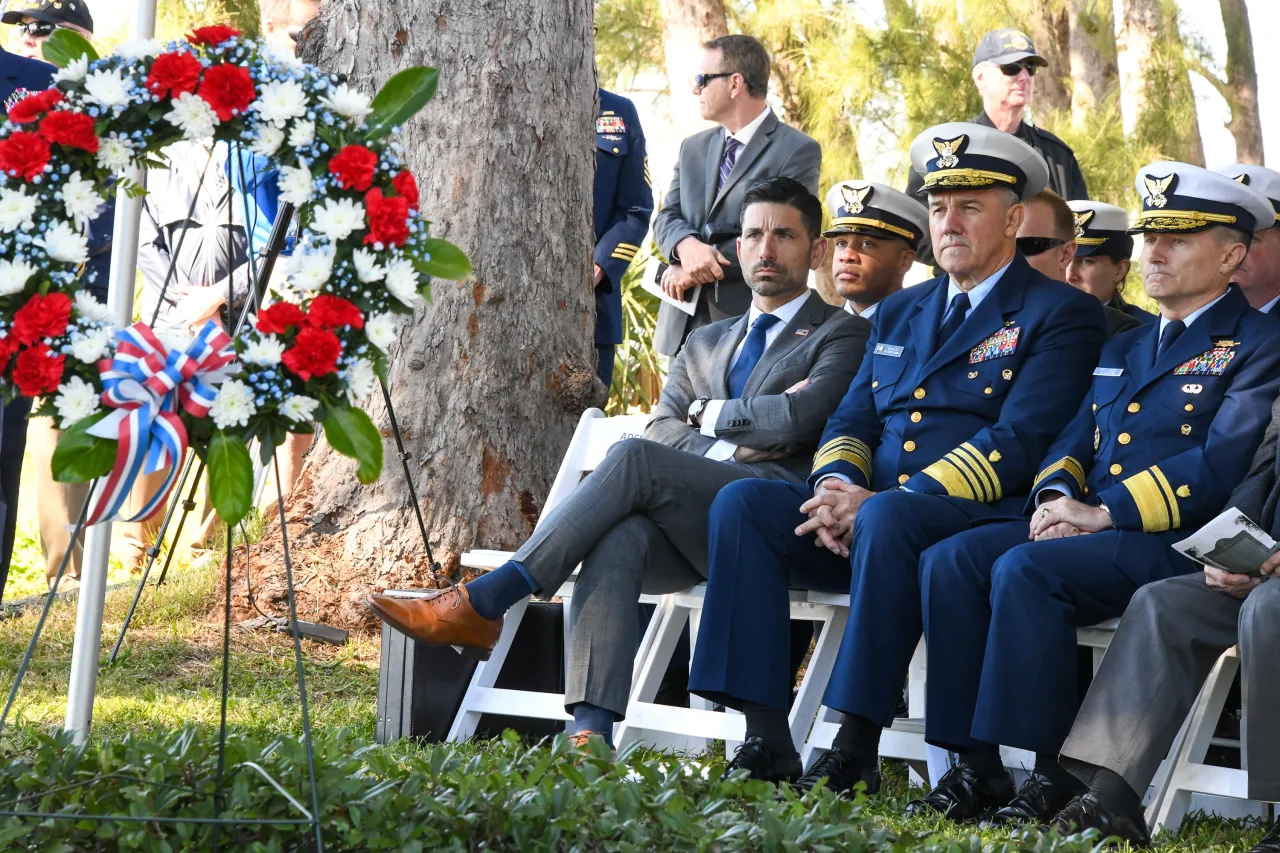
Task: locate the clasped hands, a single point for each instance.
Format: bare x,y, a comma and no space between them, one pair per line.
1062,516
699,264
832,511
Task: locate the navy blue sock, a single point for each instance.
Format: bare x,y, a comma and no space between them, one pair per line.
494,593
592,718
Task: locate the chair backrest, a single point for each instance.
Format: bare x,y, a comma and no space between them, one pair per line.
591,441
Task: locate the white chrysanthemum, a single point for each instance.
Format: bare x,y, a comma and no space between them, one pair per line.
62,242
337,218
14,275
367,268
106,87
234,404
175,338
92,309
80,199
193,116
302,133
74,72
349,102
76,401
298,408
114,153
280,101
360,380
268,141
381,330
402,282
310,270
139,48
295,185
92,345
16,208
264,350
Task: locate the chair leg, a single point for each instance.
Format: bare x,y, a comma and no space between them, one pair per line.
649,679
486,674
804,710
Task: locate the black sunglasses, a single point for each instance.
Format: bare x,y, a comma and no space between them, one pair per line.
38,29
1012,69
700,81
1030,246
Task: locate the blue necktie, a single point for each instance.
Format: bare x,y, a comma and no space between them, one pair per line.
955,316
1172,331
730,156
752,350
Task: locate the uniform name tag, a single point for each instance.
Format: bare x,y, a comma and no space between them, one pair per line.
889,350
1108,371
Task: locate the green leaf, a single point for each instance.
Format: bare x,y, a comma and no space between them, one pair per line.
402,96
445,260
66,46
80,457
230,477
352,433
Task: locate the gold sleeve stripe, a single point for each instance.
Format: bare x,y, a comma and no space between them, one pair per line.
1175,516
993,479
623,249
845,449
972,473
628,246
951,478
1067,465
1150,501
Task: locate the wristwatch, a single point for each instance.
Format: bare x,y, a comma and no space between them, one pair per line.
696,409
1103,507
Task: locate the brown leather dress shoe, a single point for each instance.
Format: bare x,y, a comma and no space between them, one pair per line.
445,619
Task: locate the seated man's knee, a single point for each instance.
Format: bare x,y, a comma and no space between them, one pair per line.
631,448
1017,570
893,508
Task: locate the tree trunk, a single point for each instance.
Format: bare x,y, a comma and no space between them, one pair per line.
1241,91
1095,77
1156,97
686,24
1051,35
488,381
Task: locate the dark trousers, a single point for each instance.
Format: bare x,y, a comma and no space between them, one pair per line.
13,444
604,363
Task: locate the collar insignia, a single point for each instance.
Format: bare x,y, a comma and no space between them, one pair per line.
1242,178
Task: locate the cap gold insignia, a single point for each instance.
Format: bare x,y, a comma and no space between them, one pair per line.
1242,178
947,151
1156,189
854,198
1083,218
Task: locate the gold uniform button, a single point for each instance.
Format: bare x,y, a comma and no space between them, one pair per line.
986,390
875,384
1123,438
909,446
1095,407
1189,407
1115,469
915,417
615,151
1184,491
918,394
902,478
1134,408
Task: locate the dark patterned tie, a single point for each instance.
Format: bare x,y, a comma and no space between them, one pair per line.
955,316
752,351
1171,333
730,156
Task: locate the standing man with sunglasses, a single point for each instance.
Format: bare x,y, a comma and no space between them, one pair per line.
38,23
1004,66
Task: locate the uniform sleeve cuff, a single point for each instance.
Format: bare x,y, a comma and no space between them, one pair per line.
710,415
1057,486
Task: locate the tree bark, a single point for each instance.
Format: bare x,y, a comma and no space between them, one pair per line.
1051,34
1241,91
1156,92
1095,76
488,381
686,24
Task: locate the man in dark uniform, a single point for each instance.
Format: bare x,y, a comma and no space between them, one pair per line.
876,232
1168,429
622,206
1103,249
947,416
1004,68
1259,275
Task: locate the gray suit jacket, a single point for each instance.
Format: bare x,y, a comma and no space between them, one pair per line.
1258,496
822,343
693,201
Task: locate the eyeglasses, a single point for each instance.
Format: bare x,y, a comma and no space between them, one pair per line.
700,81
1030,246
38,29
1012,69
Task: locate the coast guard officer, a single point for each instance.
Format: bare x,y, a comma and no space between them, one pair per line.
1175,412
623,203
1259,274
1103,249
968,379
876,232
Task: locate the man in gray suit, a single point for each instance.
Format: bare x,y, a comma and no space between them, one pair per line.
698,223
746,397
1169,639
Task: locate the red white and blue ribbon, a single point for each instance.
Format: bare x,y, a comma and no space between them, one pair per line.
146,384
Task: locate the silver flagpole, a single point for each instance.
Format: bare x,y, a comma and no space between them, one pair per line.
93,578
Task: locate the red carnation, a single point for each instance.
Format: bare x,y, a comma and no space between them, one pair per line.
353,167
72,130
228,89
8,346
173,74
32,107
38,371
314,353
334,312
212,36
42,317
407,185
277,317
24,154
388,218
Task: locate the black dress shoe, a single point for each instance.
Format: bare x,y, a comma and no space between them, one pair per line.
1087,812
1038,800
842,771
755,758
963,795
1270,842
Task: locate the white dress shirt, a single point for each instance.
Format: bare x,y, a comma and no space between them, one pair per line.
866,315
1266,309
744,135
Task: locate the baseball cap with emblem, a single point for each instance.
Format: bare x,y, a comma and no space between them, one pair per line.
865,207
1004,47
962,155
61,12
1260,178
1181,198
1101,229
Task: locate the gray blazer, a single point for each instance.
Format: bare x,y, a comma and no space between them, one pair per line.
693,201
1258,495
822,343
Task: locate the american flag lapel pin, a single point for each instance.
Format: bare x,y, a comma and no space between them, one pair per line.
800,333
